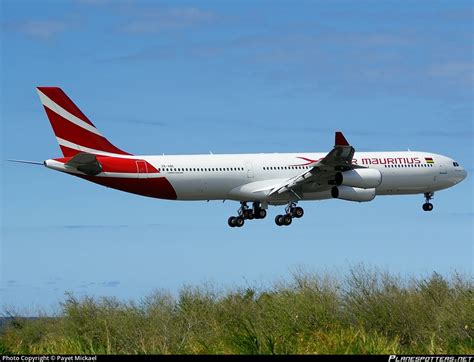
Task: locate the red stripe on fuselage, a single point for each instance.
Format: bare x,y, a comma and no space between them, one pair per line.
73,133
159,187
309,161
116,164
111,164
60,98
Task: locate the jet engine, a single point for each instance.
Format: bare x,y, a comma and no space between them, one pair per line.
366,178
353,193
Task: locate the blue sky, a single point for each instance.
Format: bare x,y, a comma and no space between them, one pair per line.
228,77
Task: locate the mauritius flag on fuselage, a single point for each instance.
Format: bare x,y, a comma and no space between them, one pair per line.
429,160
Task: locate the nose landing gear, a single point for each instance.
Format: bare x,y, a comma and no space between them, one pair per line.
428,206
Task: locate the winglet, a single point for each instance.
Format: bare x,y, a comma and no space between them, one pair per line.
341,140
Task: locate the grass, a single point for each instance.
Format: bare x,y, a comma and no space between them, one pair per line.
365,312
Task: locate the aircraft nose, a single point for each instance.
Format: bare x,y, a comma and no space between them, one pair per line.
461,174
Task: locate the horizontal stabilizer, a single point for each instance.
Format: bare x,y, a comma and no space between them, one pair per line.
85,162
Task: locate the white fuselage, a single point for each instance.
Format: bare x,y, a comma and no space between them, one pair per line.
239,177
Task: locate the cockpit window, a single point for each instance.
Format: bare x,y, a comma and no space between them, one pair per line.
455,164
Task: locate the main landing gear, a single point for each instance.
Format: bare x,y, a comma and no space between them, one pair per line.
428,206
246,213
291,211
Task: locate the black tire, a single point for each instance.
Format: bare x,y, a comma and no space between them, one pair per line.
239,221
245,214
279,220
287,219
429,206
231,221
298,212
262,213
250,215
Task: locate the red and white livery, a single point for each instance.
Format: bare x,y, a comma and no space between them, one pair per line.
255,180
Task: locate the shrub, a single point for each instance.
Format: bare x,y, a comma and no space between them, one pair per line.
365,312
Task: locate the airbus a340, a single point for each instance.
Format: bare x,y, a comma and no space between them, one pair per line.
254,180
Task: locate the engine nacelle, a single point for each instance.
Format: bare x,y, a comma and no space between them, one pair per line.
353,193
366,178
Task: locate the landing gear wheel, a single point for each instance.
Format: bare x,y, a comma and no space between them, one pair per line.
427,206
250,215
262,213
231,221
287,219
239,221
279,220
298,212
245,214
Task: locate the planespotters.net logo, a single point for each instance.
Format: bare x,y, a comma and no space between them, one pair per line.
396,358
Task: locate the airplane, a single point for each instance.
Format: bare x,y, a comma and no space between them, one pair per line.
257,179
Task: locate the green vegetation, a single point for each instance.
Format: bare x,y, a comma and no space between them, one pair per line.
364,312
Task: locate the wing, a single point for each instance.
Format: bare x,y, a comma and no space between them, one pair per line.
323,171
340,157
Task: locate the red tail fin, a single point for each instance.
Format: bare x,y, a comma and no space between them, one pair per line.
73,130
